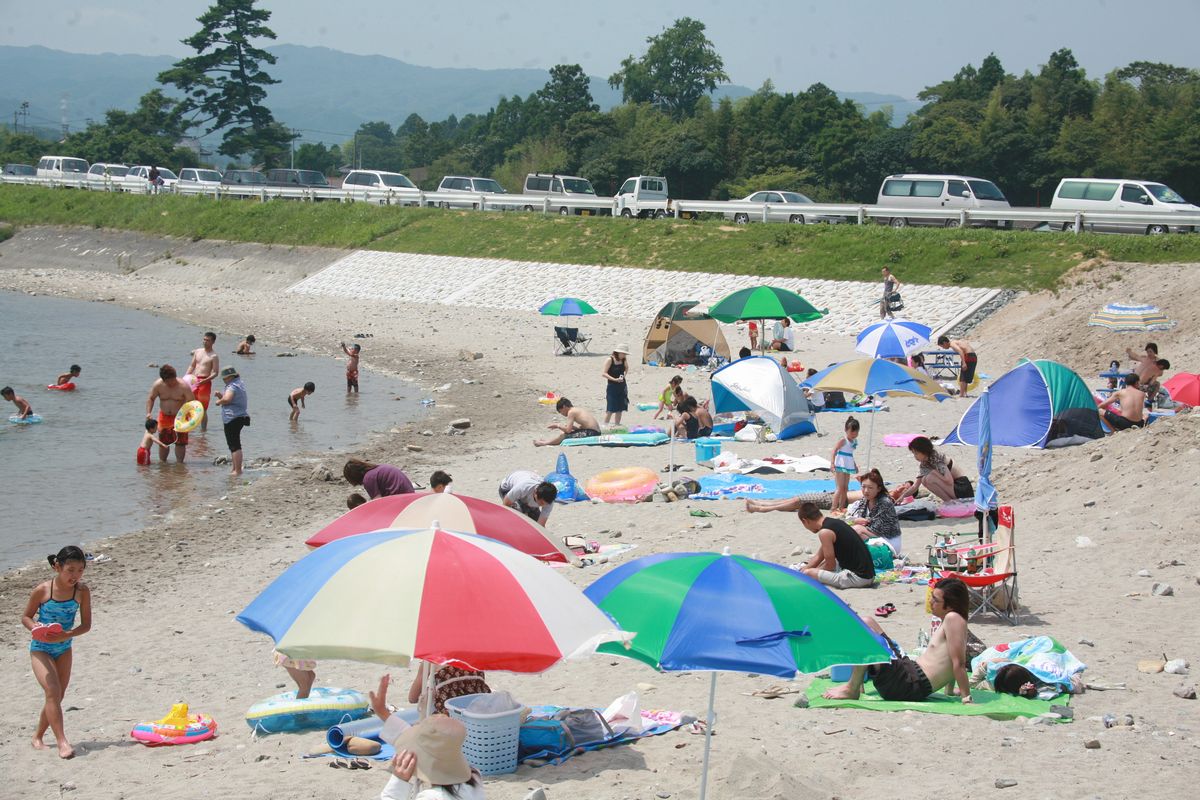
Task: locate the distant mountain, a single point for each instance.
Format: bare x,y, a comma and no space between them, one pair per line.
325,93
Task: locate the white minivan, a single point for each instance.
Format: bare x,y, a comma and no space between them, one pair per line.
1123,196
948,192
561,189
61,167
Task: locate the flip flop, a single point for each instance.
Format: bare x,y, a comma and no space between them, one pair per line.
359,763
42,632
885,610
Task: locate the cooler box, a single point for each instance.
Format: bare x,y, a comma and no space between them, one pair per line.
707,449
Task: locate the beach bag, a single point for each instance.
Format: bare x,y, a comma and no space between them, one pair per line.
541,735
881,556
894,303
835,400
585,725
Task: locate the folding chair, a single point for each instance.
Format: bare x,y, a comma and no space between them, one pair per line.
569,341
991,576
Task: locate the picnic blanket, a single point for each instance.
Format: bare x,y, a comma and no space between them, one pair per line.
728,461
984,703
619,440
654,723
736,487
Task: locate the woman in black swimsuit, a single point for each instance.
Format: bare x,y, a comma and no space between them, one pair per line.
616,389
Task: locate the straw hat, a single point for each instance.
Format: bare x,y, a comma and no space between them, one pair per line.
437,743
621,348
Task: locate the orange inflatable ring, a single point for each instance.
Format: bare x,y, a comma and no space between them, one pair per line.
62,387
622,485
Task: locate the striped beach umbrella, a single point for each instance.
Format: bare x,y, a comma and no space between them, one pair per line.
566,307
456,512
720,612
893,338
876,376
765,302
444,597
1130,317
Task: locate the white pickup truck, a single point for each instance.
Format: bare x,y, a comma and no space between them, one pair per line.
644,196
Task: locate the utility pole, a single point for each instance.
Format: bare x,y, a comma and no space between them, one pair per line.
292,143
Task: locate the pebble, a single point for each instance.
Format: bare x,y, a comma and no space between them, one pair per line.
1162,590
1185,692
663,795
1088,642
1004,783
1092,744
462,423
414,448
1143,573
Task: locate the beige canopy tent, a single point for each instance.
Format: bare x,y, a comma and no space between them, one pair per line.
676,337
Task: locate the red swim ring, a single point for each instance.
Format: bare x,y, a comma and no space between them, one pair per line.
62,387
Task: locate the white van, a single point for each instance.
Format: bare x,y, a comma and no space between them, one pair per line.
1122,196
644,196
949,192
61,167
561,188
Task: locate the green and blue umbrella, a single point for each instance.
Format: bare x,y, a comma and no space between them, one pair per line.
765,302
720,612
567,307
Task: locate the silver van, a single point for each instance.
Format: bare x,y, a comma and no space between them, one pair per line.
469,187
1122,196
61,167
949,192
562,188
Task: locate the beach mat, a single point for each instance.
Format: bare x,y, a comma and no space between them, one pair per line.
667,721
984,703
736,487
851,410
619,440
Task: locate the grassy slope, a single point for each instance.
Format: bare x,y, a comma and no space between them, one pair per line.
1018,260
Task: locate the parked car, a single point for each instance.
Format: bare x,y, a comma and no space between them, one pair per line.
195,176
138,180
1122,196
106,177
644,196
303,178
780,208
20,170
381,187
561,188
61,167
467,186
948,192
243,177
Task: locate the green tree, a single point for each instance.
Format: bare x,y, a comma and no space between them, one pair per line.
567,93
224,85
679,67
147,135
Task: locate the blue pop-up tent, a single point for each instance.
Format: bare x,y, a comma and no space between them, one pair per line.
761,385
1031,404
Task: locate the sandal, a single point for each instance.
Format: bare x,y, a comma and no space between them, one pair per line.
359,763
885,610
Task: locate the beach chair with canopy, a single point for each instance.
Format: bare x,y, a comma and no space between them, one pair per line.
569,341
993,587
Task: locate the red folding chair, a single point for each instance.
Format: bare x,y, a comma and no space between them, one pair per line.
991,574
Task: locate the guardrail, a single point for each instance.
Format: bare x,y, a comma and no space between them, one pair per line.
1076,221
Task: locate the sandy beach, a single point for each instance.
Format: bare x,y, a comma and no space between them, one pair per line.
164,602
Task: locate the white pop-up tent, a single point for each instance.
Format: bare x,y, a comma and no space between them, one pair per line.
761,385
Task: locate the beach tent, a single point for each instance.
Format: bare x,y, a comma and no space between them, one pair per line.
761,385
674,334
1036,402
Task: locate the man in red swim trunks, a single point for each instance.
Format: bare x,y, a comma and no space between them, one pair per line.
206,365
171,393
967,357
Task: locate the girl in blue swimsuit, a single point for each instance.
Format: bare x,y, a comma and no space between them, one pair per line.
57,601
844,465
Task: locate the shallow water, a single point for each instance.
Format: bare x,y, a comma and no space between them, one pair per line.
73,478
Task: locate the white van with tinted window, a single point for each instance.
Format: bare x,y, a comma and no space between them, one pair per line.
61,167
951,193
1123,196
561,189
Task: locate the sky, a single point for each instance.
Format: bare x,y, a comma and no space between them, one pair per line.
888,46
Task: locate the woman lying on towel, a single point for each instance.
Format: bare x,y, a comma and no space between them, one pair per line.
935,473
1036,667
942,665
875,514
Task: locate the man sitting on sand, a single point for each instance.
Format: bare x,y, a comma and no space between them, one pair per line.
785,337
1132,401
580,424
842,559
942,665
967,358
526,492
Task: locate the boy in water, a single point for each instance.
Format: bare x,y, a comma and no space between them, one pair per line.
245,347
296,399
352,353
69,376
942,665
24,410
148,438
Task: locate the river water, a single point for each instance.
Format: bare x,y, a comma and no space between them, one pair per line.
73,478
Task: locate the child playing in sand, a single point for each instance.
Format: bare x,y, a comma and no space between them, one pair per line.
24,410
50,618
296,399
439,482
667,400
843,464
352,352
148,438
69,376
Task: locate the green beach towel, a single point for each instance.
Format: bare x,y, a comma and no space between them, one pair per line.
984,703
